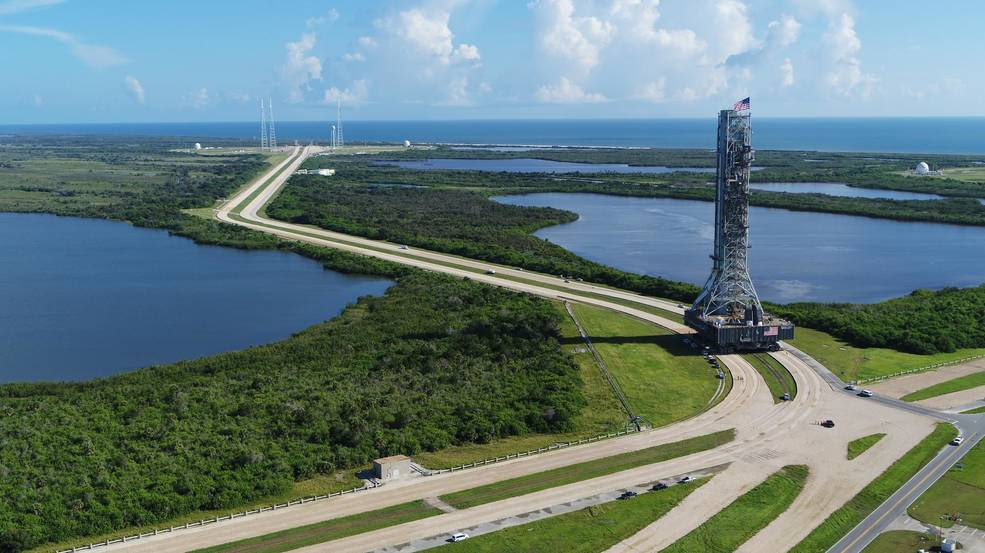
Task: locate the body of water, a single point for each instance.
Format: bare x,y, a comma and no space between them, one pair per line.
795,256
838,189
84,298
888,134
537,166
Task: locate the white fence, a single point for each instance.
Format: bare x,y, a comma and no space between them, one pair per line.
920,370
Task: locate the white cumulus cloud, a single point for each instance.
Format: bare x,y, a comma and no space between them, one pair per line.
786,69
17,6
300,67
355,94
566,92
426,32
135,89
197,99
842,44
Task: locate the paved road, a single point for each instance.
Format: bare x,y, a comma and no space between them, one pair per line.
768,436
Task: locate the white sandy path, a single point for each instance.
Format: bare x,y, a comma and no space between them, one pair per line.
955,399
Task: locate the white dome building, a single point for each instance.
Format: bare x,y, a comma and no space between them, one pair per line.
922,168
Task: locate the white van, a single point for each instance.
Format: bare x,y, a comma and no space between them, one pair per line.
458,536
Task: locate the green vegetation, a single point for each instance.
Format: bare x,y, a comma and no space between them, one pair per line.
895,541
858,363
975,411
663,379
778,378
321,532
589,530
584,471
435,362
740,520
876,492
602,414
965,382
961,491
861,445
924,322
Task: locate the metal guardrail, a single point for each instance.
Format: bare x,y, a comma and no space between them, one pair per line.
274,507
920,370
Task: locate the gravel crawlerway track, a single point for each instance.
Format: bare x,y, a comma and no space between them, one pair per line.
768,436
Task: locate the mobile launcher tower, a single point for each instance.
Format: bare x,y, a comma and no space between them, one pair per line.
728,314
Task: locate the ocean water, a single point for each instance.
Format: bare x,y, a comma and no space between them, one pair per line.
956,135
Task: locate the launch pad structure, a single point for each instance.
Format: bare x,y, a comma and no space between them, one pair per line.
728,314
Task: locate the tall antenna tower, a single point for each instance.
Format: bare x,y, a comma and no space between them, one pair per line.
340,142
728,312
263,127
272,141
334,138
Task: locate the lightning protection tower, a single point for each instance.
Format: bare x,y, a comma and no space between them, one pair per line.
728,313
263,127
272,140
334,138
339,141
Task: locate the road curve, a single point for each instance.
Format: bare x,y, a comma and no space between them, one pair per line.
768,435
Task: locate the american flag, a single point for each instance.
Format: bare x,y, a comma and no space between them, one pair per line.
741,105
771,331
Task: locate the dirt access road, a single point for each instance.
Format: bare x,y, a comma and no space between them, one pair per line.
768,436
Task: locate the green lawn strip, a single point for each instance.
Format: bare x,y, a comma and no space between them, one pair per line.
852,363
960,491
965,382
856,509
975,411
321,532
861,445
589,530
896,541
664,380
602,415
319,485
778,378
750,513
584,471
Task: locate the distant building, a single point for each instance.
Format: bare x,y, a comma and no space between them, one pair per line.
406,143
198,146
922,169
391,468
322,172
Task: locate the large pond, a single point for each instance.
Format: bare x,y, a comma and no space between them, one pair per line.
795,256
838,189
83,298
536,166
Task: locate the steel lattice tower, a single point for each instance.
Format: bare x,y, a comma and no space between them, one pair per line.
338,131
728,310
272,141
263,127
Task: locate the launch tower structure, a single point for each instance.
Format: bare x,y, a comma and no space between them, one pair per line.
728,313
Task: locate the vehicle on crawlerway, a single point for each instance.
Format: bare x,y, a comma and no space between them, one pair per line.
658,486
627,495
828,423
458,536
865,393
686,480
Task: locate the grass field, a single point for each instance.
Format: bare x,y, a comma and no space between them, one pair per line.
584,471
586,531
896,541
961,490
975,411
876,492
328,530
751,512
861,445
777,377
851,363
966,174
664,380
965,382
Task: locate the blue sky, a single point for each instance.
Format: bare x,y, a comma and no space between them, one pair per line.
114,61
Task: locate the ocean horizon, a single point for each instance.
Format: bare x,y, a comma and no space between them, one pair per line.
909,135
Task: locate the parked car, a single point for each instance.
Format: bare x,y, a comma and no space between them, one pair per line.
720,375
658,486
685,480
851,388
627,495
828,423
865,393
957,441
785,397
458,536
490,271
403,247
